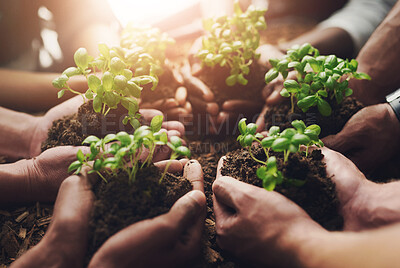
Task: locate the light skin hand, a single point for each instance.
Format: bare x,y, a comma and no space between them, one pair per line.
177,233
369,138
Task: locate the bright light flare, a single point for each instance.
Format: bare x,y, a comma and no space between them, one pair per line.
147,12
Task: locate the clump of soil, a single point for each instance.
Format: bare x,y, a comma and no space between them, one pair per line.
74,129
214,78
317,196
281,116
119,204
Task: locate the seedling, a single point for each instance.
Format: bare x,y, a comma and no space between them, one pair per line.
125,151
287,141
232,42
319,78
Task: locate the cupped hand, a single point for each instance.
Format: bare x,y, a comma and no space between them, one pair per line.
178,232
257,225
363,204
369,138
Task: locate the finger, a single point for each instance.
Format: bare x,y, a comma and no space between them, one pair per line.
188,107
275,98
241,105
224,188
260,122
148,114
339,142
181,95
220,165
193,173
175,166
187,209
212,108
178,113
199,105
177,76
174,125
195,85
184,161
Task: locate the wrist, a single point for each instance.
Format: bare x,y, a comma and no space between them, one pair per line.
15,184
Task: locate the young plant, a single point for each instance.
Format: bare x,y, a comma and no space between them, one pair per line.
319,78
232,42
125,151
287,141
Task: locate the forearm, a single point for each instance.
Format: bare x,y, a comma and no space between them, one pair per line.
379,58
33,92
328,41
16,133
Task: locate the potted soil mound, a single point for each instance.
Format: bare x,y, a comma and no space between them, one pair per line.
317,196
280,115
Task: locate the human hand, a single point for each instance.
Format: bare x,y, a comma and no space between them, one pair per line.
260,226
369,138
363,204
173,237
41,127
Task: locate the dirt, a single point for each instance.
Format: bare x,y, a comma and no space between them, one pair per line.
73,129
317,196
119,204
21,229
281,116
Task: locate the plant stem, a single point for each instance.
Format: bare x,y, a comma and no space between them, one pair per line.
292,102
173,157
255,159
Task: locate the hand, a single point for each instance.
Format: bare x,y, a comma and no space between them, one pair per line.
369,138
258,225
177,107
173,237
69,107
363,204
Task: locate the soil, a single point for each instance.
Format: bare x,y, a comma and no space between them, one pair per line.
73,129
317,196
281,116
119,204
211,76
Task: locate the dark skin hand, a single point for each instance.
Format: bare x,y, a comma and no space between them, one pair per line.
23,134
173,237
369,138
268,229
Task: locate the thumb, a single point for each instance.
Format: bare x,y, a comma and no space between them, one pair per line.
337,142
188,209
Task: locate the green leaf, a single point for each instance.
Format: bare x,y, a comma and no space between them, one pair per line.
104,50
348,92
261,172
267,142
307,102
291,84
94,82
60,93
271,75
231,80
98,164
81,58
117,66
75,166
123,137
111,99
300,139
156,123
304,50
248,140
134,90
251,128
242,126
274,130
323,107
109,137
362,76
175,141
269,185
72,71
280,144
91,139
243,81
89,94
315,128
97,103
285,93
299,125
288,133
108,80
323,93
331,61
120,82
80,156
182,150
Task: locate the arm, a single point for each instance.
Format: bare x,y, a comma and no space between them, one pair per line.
33,92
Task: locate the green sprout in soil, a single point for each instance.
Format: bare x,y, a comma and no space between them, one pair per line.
118,74
125,151
232,42
287,141
319,78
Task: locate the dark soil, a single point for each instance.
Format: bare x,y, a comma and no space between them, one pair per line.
119,204
317,196
215,77
281,116
21,229
73,130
